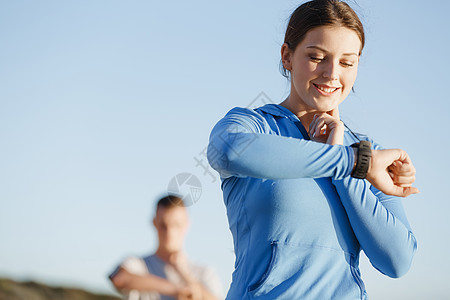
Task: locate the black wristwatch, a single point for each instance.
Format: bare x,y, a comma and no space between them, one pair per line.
363,156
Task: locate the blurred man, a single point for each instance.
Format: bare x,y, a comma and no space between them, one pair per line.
167,274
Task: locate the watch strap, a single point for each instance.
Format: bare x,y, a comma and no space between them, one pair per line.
363,156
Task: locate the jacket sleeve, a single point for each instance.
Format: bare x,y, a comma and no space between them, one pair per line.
380,224
242,144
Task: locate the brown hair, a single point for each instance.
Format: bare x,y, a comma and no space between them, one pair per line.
170,202
317,13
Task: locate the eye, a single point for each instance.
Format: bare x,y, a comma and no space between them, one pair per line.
316,59
347,64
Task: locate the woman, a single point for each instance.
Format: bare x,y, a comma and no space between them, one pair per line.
297,207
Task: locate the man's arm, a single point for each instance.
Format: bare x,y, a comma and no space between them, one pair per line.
124,280
199,291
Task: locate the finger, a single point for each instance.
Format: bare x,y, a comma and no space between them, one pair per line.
320,127
410,191
403,185
406,191
403,191
402,169
403,174
395,165
403,160
319,122
407,159
330,120
406,168
403,156
403,179
312,126
315,125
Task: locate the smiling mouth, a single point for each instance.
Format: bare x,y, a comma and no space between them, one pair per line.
325,90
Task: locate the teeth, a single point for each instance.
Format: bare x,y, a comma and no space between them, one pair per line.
326,90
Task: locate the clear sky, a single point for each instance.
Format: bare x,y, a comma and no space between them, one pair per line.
103,102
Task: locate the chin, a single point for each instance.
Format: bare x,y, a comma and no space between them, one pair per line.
324,109
173,249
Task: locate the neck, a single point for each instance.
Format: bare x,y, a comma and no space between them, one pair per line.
305,116
164,255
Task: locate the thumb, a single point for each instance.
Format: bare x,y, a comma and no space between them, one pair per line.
405,192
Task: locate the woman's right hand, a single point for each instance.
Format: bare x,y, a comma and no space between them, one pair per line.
327,128
392,172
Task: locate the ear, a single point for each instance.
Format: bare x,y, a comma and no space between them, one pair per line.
154,222
286,55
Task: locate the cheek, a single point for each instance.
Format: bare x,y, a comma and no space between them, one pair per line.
302,76
177,233
348,88
302,67
349,79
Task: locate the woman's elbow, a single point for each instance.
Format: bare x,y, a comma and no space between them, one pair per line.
401,263
398,270
217,158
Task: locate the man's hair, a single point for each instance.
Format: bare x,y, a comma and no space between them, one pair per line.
170,201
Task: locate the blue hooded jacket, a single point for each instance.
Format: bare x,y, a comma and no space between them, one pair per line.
298,220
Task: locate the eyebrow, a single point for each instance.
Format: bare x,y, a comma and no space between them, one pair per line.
321,49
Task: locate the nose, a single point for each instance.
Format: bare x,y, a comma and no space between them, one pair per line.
331,71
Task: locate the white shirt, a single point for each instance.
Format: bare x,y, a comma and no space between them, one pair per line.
152,264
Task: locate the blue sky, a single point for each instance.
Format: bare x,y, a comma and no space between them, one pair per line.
103,102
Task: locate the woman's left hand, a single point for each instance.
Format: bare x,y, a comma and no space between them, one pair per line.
327,128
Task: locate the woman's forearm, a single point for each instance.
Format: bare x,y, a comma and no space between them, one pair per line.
382,229
277,157
241,145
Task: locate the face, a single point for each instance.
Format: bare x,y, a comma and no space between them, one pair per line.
323,67
171,225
